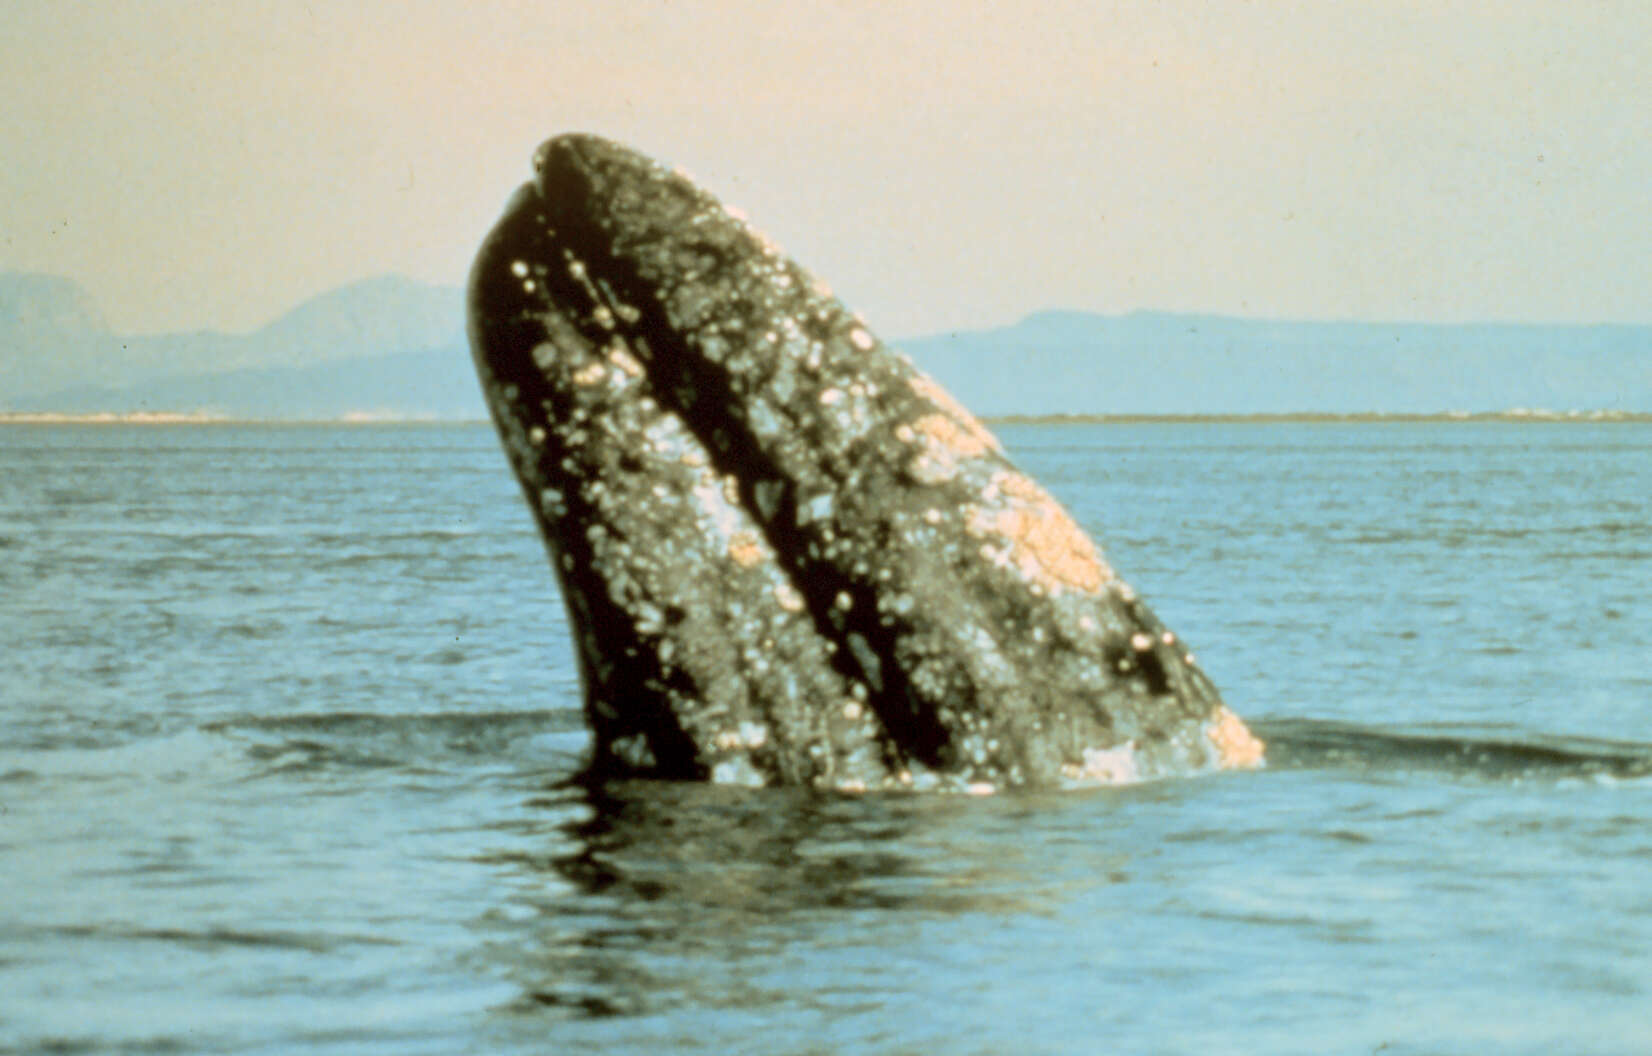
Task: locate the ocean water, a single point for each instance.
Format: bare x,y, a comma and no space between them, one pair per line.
286,715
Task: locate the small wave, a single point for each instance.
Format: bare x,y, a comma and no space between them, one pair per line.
402,741
419,535
255,631
214,938
540,720
1316,744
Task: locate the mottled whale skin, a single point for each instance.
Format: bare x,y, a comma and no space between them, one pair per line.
788,556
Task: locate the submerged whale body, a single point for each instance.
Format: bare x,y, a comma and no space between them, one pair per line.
788,556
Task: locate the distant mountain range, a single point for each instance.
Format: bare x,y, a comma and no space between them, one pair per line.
394,348
1152,363
386,345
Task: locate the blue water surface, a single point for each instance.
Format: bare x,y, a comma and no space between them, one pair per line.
285,714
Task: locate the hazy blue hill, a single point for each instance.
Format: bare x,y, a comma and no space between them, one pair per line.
387,313
31,303
1151,363
64,363
430,383
49,326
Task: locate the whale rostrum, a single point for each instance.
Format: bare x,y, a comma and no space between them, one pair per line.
788,556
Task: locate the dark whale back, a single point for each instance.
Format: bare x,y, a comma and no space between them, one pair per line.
789,556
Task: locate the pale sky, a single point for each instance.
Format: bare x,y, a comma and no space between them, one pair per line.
944,164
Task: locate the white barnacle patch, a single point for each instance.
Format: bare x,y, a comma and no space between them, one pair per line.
788,597
870,666
519,268
536,435
818,508
897,604
719,516
997,557
766,244
634,751
767,494
576,269
603,317
831,397
1107,766
736,771
764,421
590,374
624,360
648,618
1140,642
861,339
843,601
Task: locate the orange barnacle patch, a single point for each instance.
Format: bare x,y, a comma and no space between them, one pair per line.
957,439
622,358
1236,747
962,421
1046,545
942,442
745,549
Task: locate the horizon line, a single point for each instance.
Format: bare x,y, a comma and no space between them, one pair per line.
1514,415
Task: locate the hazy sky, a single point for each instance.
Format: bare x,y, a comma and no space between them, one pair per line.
944,163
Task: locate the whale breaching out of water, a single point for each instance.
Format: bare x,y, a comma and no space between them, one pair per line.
788,556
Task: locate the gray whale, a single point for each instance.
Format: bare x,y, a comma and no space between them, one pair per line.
788,556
